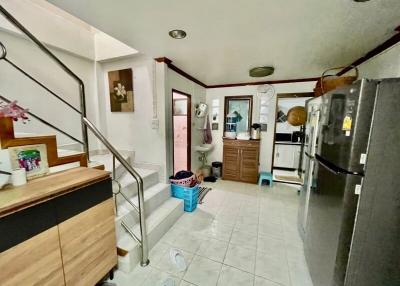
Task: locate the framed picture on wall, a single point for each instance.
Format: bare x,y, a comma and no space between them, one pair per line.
120,84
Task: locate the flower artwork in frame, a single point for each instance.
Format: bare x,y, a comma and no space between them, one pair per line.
32,158
120,84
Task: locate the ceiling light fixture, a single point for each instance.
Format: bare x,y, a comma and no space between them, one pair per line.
360,0
177,34
261,71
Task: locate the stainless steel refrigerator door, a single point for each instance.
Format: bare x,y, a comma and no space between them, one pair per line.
346,121
309,178
331,213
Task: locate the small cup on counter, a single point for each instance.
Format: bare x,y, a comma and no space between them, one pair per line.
18,177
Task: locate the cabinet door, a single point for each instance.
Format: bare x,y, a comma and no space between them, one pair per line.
284,156
249,164
88,245
231,166
36,261
296,156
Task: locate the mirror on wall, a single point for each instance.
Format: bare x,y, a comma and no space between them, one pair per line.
242,107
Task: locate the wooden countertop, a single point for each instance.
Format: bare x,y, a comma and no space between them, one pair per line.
13,199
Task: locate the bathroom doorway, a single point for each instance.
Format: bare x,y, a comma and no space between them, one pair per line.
181,120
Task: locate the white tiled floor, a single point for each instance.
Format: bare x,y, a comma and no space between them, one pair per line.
241,235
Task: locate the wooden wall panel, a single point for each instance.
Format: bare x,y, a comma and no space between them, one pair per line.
37,261
88,245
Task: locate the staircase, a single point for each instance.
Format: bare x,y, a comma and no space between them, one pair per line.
161,210
145,209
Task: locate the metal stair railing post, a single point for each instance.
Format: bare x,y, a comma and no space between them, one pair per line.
142,221
41,46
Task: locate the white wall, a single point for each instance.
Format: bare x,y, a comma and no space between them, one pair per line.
198,94
384,65
133,131
266,148
15,86
106,47
72,35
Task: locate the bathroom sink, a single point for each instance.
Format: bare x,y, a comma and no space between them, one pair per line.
203,148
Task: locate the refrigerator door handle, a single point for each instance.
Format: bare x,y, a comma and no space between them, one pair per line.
336,172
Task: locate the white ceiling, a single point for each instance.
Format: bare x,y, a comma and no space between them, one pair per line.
300,38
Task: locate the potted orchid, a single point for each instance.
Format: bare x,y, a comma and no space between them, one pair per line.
12,110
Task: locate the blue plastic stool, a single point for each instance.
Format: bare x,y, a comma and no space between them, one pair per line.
265,176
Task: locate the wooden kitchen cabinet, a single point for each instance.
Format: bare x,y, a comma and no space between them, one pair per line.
58,230
241,160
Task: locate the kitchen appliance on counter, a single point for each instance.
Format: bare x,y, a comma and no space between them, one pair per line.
255,131
350,207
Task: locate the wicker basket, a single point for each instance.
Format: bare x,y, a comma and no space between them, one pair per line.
331,82
296,116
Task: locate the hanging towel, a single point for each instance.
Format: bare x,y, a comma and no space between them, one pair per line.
207,136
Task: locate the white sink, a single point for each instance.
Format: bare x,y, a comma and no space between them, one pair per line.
203,148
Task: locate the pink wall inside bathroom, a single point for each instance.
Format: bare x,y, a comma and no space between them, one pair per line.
180,143
180,138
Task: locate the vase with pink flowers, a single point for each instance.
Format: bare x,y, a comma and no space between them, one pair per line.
14,111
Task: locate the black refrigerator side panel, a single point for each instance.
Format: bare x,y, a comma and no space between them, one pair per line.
375,253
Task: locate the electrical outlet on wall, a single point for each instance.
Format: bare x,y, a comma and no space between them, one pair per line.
155,123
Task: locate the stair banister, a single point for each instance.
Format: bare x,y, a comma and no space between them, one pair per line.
17,24
86,124
142,220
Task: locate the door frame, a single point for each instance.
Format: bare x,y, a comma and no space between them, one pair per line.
189,129
281,96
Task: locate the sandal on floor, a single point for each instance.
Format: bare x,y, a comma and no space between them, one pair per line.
178,259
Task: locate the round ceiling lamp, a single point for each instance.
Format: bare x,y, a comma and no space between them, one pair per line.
261,71
177,34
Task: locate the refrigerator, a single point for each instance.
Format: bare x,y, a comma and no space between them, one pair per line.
337,183
310,168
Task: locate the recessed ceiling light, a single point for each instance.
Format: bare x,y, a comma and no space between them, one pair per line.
177,34
261,71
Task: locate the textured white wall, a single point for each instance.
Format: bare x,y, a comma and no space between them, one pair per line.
385,65
266,148
198,94
15,86
50,28
133,130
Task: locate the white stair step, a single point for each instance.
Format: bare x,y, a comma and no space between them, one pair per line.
107,161
158,223
153,198
129,185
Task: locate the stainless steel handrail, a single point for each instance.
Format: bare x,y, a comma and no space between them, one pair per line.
41,46
86,124
45,122
142,221
38,82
